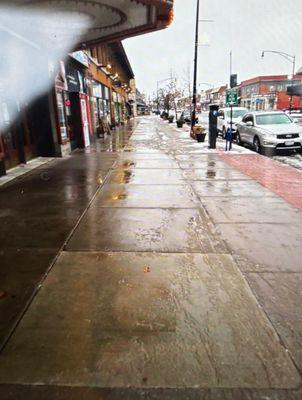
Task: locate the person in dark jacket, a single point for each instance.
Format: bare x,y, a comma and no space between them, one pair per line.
228,139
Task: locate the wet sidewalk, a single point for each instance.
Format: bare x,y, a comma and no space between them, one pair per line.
181,280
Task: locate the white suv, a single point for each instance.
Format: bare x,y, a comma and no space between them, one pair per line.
269,131
224,119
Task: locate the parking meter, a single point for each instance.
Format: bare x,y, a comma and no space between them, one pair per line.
213,114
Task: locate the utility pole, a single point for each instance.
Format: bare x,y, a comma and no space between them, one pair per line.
194,100
293,77
231,67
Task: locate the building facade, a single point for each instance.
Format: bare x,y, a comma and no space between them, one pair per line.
269,93
67,100
89,87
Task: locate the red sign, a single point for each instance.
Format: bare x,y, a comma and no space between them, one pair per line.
67,103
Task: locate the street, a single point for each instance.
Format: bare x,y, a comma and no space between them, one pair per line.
293,159
178,278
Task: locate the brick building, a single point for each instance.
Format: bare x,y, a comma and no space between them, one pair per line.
268,92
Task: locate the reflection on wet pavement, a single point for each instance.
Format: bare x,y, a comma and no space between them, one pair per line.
38,211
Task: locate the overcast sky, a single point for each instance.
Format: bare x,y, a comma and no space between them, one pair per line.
245,27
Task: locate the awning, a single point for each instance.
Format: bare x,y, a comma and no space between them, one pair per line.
89,21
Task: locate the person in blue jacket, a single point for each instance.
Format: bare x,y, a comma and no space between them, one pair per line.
228,139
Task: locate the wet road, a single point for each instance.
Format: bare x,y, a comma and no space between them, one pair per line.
179,282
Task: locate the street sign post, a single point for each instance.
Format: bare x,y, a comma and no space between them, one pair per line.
232,97
231,100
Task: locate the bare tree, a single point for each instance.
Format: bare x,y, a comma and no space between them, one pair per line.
187,82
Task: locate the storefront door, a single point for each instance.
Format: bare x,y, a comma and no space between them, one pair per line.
12,136
85,123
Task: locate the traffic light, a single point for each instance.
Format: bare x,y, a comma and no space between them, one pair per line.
233,81
295,90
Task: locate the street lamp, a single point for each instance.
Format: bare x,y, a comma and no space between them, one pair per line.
157,88
194,99
291,59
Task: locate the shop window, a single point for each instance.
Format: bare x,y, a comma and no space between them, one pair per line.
95,112
61,116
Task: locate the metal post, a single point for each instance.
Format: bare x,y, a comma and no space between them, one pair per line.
193,117
293,77
231,104
157,97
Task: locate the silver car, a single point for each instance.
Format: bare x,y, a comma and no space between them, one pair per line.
269,131
224,118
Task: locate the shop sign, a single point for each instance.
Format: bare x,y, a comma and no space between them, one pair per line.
60,80
81,56
81,81
97,89
72,77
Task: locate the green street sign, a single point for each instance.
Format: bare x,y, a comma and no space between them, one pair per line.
232,97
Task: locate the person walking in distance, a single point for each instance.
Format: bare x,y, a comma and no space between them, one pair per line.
228,139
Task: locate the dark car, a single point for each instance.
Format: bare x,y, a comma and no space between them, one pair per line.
186,117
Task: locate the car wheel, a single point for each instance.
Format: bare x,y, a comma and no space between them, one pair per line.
223,132
257,145
238,139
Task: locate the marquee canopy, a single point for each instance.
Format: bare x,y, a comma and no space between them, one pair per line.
86,22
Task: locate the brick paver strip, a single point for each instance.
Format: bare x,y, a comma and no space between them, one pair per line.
283,180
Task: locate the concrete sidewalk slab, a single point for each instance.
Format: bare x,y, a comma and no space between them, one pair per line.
205,165
265,247
143,164
230,188
280,295
213,174
146,196
191,321
146,176
262,209
134,229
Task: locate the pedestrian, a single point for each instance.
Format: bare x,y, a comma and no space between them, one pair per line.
228,139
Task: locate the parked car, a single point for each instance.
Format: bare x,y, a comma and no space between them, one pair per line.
224,119
269,131
186,117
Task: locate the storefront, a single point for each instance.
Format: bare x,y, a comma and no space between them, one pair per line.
17,138
116,108
62,102
73,111
99,104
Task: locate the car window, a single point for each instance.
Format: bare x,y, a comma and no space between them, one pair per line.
239,113
273,119
236,113
248,118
